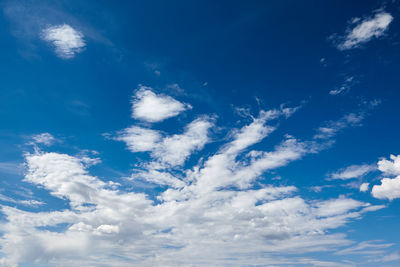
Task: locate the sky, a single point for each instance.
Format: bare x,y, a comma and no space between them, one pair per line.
199,133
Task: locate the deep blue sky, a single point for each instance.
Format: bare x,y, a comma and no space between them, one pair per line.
219,57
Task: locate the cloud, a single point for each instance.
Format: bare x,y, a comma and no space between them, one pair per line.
139,139
365,247
348,83
66,40
331,128
219,210
24,202
353,171
170,150
104,222
151,107
389,187
43,138
364,30
364,187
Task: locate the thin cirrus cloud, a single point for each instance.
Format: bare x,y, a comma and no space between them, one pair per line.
353,171
363,31
151,107
66,40
347,84
212,199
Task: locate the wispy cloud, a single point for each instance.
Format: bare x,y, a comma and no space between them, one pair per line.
43,138
66,40
347,84
24,202
353,171
363,30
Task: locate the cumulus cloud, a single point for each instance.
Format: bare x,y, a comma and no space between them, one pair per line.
151,107
353,171
66,40
389,187
363,30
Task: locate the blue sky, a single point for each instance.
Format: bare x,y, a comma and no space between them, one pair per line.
205,133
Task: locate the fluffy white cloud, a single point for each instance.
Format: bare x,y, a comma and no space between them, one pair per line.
66,40
390,167
353,171
152,107
139,139
390,187
365,30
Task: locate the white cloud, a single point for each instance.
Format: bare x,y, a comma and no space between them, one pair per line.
241,224
151,107
364,187
365,247
331,128
175,149
391,257
353,171
24,202
390,167
211,213
389,187
66,40
169,150
348,83
43,138
365,30
139,139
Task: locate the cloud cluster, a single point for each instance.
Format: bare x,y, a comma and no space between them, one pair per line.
66,40
365,30
219,211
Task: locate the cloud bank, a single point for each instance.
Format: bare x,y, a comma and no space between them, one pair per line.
220,210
